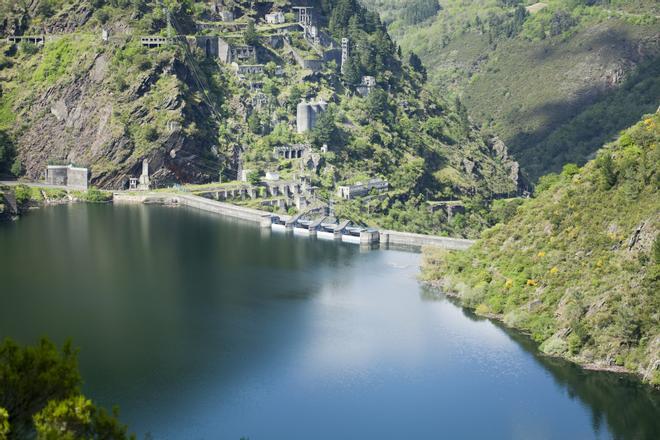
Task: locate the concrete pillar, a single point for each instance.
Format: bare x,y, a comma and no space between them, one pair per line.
369,237
266,221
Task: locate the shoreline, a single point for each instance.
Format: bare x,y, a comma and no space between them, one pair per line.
438,287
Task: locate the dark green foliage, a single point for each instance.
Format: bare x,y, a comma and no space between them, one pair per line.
151,133
606,167
378,105
534,78
325,130
352,72
575,139
31,377
254,177
371,46
416,63
250,34
41,385
420,10
7,153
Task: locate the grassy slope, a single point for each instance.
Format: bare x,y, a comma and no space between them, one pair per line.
541,87
571,267
529,87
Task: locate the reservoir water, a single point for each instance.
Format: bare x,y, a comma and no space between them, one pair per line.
199,327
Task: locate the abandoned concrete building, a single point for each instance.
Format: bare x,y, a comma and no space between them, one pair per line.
67,175
229,53
37,40
360,189
272,175
295,151
308,113
153,42
226,16
366,85
248,69
260,100
276,17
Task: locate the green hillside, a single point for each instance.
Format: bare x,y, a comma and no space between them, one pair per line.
555,80
110,104
578,266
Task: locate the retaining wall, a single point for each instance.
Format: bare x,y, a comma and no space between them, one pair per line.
410,239
226,209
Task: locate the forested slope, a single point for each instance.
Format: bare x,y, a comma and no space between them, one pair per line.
555,80
578,266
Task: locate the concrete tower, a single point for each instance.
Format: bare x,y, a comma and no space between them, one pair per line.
144,184
344,53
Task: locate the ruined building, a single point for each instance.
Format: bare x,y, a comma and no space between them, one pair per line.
307,114
67,175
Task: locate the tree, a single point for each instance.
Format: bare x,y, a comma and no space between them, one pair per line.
352,72
32,378
378,104
254,177
420,10
7,152
294,97
250,35
325,129
76,418
417,65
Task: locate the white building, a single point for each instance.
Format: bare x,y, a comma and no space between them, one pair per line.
276,17
360,189
226,16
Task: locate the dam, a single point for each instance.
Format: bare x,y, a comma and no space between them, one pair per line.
319,226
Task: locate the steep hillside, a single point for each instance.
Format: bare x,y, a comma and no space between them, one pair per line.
555,80
109,104
578,267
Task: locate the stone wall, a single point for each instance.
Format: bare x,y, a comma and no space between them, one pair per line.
57,175
77,177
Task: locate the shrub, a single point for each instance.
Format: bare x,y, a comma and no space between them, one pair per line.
95,195
555,346
4,424
23,195
151,133
17,167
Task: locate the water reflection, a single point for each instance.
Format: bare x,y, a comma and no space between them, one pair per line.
201,327
620,404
